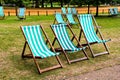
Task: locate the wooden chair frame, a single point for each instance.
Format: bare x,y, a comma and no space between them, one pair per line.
64,52
89,44
23,18
55,20
34,58
2,17
71,23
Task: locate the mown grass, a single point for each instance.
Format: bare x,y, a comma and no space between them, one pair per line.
12,67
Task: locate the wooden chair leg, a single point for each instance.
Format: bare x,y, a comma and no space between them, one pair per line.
85,54
49,68
58,59
92,53
24,49
66,57
106,48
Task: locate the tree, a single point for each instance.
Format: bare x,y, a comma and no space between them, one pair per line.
61,3
51,3
37,3
97,3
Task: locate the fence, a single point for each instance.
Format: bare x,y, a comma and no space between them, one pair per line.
29,12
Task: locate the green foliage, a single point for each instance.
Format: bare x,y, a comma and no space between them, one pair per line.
38,3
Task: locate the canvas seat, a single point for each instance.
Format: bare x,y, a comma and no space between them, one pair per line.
2,15
59,19
74,11
66,45
69,11
63,10
115,11
34,40
88,26
21,13
71,20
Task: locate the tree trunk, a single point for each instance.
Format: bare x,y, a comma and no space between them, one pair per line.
97,6
51,3
88,8
42,3
61,3
97,10
36,3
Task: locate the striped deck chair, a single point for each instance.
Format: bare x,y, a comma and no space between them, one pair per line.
59,19
115,11
112,12
34,40
87,22
74,11
71,20
63,10
69,10
66,45
21,13
2,15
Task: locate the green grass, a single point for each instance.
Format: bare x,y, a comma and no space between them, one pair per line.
12,67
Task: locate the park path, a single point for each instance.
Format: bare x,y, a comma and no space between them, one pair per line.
110,73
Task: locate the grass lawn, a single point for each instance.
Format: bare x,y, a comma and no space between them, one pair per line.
12,67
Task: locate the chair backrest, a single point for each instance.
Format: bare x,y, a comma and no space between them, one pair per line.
59,18
74,11
21,12
61,33
69,10
36,42
86,23
111,11
1,11
63,10
70,19
115,10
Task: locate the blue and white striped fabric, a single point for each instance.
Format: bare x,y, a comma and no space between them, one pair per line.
88,28
21,12
74,11
36,42
111,11
59,18
63,10
115,11
69,10
1,11
63,37
70,19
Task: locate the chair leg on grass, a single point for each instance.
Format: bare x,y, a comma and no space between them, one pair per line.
106,48
24,49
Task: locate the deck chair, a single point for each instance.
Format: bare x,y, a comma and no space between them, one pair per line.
34,40
2,15
74,11
71,20
21,13
63,10
112,12
59,19
69,10
88,26
115,11
65,43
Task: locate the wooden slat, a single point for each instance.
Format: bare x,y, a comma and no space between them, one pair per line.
50,68
102,53
80,59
